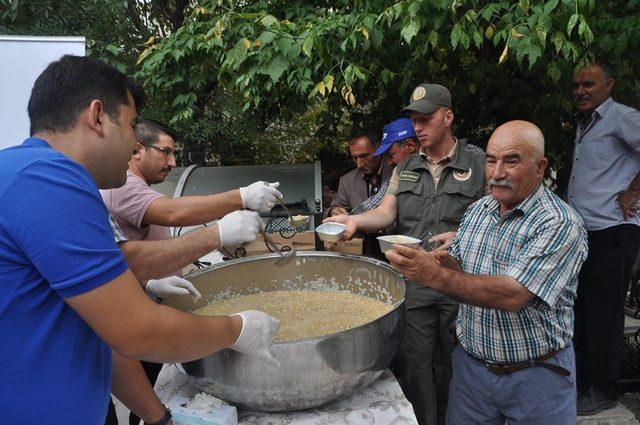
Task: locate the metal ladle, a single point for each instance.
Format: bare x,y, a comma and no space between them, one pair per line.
285,256
295,222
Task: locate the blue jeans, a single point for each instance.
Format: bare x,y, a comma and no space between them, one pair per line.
535,395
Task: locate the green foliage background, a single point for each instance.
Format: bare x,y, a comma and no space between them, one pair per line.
284,80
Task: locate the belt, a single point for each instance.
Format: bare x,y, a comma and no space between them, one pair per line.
507,368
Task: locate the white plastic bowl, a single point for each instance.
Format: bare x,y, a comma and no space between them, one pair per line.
387,241
330,232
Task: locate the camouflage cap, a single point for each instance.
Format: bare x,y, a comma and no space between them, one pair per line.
427,98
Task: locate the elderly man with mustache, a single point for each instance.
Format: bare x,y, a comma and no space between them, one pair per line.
514,268
604,188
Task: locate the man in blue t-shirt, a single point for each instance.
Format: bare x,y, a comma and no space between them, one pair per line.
66,293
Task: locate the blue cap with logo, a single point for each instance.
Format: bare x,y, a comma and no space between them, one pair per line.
395,131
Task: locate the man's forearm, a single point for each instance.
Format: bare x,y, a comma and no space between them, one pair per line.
634,186
374,220
123,316
192,210
500,292
629,198
154,259
130,385
174,336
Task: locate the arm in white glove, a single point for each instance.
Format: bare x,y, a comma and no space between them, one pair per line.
256,336
238,227
260,196
172,285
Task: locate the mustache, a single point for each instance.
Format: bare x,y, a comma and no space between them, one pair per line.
581,98
502,182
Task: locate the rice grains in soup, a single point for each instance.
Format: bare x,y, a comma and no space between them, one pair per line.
304,314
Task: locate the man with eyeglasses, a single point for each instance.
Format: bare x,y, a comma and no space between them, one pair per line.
145,214
142,213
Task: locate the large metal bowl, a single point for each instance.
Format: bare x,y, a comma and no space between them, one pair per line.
316,370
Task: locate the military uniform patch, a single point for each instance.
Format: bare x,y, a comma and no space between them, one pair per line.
419,93
462,175
409,176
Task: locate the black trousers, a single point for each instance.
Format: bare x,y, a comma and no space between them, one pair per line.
599,308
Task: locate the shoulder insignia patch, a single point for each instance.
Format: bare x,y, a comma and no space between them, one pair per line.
473,149
409,176
462,175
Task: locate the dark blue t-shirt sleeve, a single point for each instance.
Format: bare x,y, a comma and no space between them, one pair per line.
61,224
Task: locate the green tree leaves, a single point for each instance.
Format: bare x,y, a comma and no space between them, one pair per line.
410,30
215,67
362,59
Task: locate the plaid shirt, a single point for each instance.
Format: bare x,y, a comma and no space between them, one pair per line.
541,244
117,232
372,201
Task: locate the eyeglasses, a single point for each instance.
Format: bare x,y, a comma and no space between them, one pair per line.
165,150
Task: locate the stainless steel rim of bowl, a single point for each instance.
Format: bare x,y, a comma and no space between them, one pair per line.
314,370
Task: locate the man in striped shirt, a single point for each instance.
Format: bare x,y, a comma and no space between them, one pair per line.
513,266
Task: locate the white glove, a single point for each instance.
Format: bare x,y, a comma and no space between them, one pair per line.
172,285
239,227
256,336
260,196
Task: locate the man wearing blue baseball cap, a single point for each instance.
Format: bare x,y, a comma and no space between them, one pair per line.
399,140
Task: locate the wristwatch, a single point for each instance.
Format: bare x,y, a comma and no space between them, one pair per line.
165,419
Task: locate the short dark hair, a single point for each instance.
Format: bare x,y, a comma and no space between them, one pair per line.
410,139
69,85
148,131
606,67
358,132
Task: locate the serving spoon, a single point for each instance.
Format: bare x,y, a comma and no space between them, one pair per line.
285,256
295,222
300,221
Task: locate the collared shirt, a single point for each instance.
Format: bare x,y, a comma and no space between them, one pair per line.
373,201
373,183
606,158
541,244
128,205
55,244
435,168
353,190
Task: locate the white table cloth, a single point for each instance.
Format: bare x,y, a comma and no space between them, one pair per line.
382,402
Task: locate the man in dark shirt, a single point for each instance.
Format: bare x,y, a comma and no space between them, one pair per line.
362,182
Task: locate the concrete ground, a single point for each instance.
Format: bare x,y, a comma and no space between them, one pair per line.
626,412
632,402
